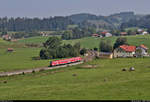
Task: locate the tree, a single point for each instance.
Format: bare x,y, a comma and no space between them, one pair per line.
105,46
95,49
139,52
148,30
67,35
52,43
77,46
44,54
131,32
83,51
120,41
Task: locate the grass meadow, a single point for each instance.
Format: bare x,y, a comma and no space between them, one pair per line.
20,59
91,42
105,82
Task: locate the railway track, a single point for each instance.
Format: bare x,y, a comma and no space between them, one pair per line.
35,69
90,57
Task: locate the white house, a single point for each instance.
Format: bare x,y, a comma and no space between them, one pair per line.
144,33
143,50
106,34
140,30
124,51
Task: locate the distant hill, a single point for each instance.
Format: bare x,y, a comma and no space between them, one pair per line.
82,20
140,21
102,22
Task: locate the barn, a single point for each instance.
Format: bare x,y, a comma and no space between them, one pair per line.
10,49
124,51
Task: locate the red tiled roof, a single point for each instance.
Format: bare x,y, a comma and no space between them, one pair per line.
143,46
10,49
104,33
123,33
128,48
95,34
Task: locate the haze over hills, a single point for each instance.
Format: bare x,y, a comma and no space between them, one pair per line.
115,21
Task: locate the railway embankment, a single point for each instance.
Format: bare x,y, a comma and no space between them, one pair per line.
35,69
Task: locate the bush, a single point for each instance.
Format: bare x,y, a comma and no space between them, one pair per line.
120,41
33,71
105,46
95,49
83,51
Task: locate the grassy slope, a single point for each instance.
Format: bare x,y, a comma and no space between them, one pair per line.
91,42
21,58
34,40
88,84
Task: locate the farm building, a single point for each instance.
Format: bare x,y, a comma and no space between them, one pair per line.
144,33
43,34
123,33
6,37
10,49
124,51
106,34
142,50
106,55
96,35
140,30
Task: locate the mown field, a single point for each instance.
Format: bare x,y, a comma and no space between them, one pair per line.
20,59
91,42
105,82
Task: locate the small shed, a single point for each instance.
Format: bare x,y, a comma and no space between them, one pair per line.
106,55
10,49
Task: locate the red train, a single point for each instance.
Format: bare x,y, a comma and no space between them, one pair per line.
65,61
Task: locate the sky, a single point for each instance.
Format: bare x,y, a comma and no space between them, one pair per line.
47,8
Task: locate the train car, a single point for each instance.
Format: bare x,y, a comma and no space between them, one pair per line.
65,61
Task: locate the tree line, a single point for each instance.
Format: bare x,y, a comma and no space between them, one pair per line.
30,24
77,33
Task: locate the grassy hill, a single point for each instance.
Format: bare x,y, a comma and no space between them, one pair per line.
106,81
20,59
37,40
100,83
91,42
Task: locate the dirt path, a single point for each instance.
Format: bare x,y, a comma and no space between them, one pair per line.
35,69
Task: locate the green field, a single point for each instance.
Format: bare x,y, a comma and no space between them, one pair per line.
36,40
22,57
91,42
105,82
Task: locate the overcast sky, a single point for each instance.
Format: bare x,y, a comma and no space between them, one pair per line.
46,8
